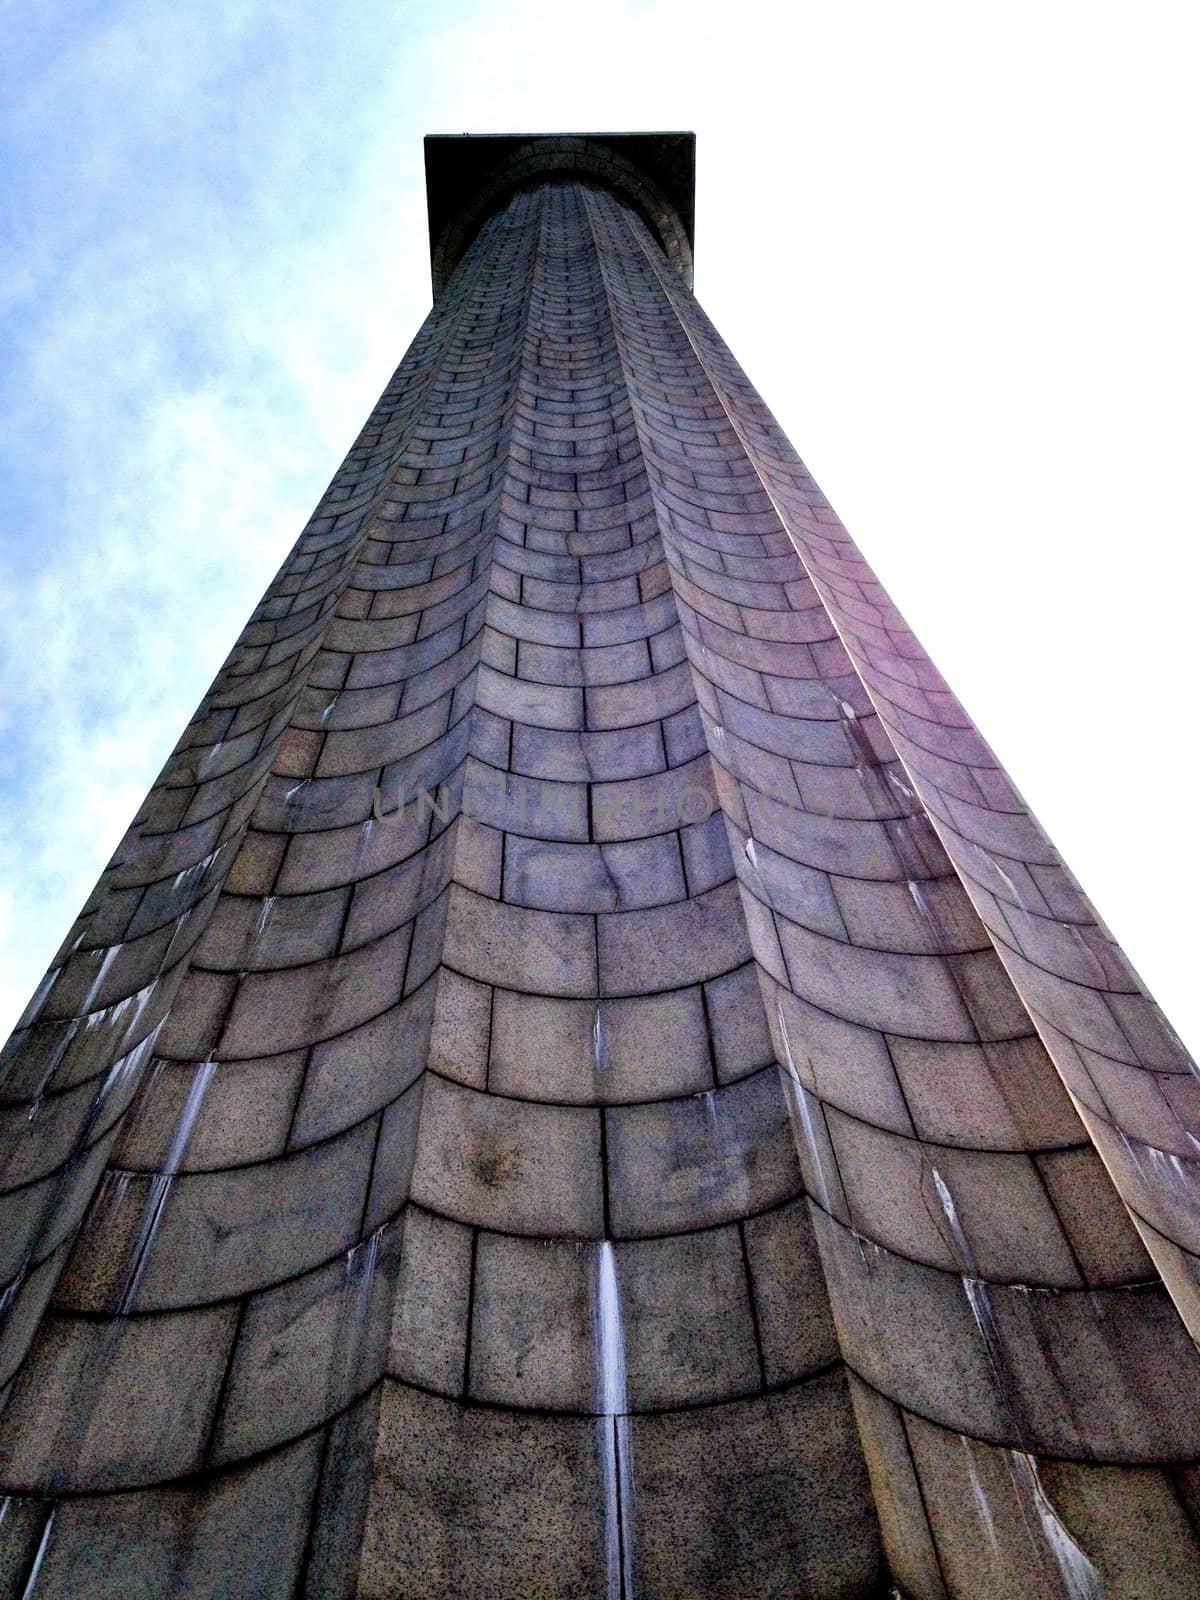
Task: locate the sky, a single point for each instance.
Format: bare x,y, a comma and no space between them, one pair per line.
955,246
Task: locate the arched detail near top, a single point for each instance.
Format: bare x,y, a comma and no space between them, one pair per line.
470,177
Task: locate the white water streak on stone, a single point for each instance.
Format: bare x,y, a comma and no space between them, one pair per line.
208,758
56,1057
361,1263
110,1196
803,1128
710,1118
898,783
181,923
981,1309
868,1246
184,879
729,1167
40,995
611,1389
980,1495
1080,1579
1007,881
187,1117
70,1033
139,1000
106,961
751,853
926,913
127,1067
1170,1166
10,1291
599,1044
612,1404
1163,1169
161,1183
959,1244
109,1016
362,849
624,1463
974,1287
1176,1175
146,1099
43,1546
264,916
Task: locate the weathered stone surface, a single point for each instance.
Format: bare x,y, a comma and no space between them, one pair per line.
756,1498
470,1501
581,1002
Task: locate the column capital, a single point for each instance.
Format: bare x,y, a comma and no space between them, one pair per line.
468,175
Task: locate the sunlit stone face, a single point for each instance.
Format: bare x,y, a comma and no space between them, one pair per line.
583,1078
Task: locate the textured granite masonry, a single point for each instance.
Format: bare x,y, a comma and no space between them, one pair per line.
584,1079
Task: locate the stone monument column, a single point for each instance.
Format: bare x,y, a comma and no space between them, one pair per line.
583,1077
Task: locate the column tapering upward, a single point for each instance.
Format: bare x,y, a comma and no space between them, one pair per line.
583,1077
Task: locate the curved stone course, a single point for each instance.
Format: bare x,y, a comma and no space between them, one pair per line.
545,1100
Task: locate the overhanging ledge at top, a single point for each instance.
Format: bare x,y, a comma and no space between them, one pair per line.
468,175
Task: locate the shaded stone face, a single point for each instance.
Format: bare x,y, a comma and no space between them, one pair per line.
583,1079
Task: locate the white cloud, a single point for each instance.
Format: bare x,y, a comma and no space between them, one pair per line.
954,247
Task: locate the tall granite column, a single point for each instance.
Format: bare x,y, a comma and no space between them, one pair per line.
583,1077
